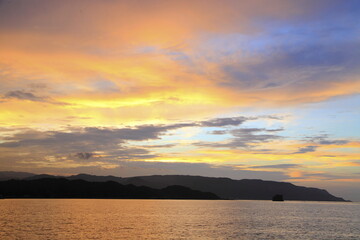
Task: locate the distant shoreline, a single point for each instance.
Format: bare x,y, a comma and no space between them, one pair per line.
309,201
85,186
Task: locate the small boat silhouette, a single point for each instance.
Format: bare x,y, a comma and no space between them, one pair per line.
278,198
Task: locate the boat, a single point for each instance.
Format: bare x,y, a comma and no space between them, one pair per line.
278,198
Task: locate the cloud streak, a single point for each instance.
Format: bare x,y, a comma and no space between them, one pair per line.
84,155
28,96
243,138
306,149
24,96
279,166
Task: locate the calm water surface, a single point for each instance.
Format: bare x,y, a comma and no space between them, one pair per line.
176,219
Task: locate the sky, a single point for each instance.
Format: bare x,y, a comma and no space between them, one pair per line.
239,89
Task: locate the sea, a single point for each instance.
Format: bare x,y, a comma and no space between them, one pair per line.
177,219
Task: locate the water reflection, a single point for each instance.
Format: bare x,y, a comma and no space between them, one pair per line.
176,219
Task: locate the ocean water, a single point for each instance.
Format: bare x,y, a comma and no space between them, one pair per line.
177,219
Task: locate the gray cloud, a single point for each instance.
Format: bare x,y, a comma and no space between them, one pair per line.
159,146
221,122
236,121
279,166
92,138
274,117
87,137
275,130
306,149
110,145
131,153
81,143
323,139
333,142
24,96
218,132
319,140
28,96
84,155
244,138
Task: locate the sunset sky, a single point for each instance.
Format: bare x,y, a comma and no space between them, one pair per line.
241,89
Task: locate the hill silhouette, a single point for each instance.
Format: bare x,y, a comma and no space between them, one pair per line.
225,188
252,189
236,189
6,175
65,188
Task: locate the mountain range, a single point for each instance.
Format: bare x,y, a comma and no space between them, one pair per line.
65,188
225,188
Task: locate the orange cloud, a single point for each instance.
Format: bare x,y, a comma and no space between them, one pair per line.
150,57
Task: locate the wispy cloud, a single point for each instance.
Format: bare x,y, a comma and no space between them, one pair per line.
306,149
84,155
243,138
278,166
28,96
221,122
24,96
